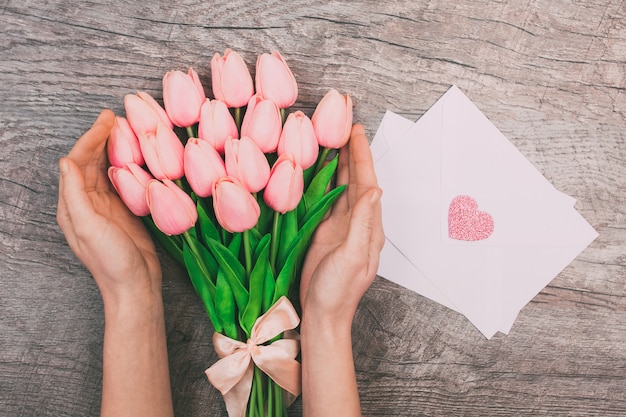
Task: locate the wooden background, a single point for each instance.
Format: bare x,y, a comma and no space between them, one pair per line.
551,75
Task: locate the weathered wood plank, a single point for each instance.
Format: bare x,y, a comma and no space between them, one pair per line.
550,74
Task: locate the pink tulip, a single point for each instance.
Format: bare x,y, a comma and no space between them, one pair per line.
216,124
172,209
183,95
285,186
144,113
235,208
232,82
246,163
262,123
130,183
123,145
275,81
332,120
203,166
163,152
298,139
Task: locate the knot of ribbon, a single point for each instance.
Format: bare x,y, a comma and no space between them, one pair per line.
232,374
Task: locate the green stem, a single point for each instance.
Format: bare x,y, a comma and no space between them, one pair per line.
275,240
270,398
278,399
182,186
321,159
283,116
247,253
238,119
190,132
252,403
258,383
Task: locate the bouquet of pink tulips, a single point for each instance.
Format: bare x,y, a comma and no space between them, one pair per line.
234,189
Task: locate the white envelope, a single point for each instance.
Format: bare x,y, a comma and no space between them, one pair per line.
454,151
394,266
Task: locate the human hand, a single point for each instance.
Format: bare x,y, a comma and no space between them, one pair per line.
105,236
342,260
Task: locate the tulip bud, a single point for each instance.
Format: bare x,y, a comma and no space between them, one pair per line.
144,113
130,183
163,152
332,120
246,163
123,145
183,96
203,166
275,81
232,82
262,123
285,186
172,209
235,208
216,124
298,139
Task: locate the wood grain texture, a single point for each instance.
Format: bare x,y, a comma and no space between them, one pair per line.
551,75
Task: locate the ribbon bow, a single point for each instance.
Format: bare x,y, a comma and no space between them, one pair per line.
232,374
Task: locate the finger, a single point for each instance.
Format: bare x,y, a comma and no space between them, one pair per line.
93,139
364,225
377,239
63,217
343,178
362,164
74,203
89,152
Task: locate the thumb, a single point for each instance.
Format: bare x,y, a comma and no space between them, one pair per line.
362,222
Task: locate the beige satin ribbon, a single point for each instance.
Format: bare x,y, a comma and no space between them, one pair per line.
232,374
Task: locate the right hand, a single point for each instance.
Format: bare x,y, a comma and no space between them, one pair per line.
343,258
105,236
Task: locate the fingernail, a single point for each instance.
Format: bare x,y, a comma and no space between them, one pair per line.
63,166
375,197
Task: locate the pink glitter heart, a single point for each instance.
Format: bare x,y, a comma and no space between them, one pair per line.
466,222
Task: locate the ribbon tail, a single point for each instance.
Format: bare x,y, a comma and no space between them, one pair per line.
288,397
280,366
236,398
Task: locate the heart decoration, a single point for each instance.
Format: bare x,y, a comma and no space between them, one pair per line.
466,222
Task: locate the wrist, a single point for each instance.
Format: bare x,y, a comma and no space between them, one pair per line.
134,305
321,323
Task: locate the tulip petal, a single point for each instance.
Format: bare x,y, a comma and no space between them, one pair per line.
172,209
235,208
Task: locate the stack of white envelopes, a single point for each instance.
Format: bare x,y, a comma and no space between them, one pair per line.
469,222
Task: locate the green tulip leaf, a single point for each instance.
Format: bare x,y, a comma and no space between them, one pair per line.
255,239
225,306
258,276
234,272
320,182
288,232
319,209
202,284
235,245
206,261
308,175
269,285
207,227
287,274
264,224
